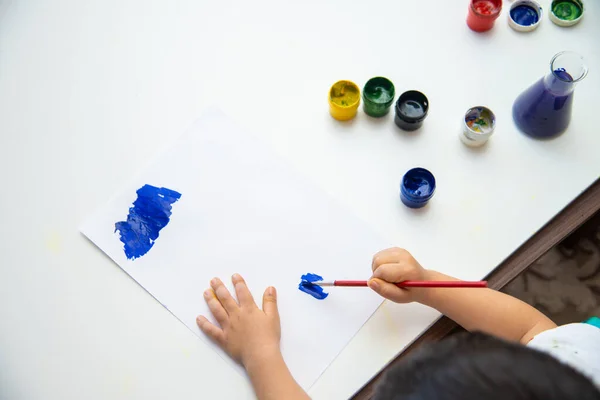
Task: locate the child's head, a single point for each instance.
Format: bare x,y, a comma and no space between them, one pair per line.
481,367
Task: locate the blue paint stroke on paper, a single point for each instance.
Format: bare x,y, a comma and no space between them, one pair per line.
149,214
307,286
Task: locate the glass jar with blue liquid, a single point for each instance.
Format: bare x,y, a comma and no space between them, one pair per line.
544,109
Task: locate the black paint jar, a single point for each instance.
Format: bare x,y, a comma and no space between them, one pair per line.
411,110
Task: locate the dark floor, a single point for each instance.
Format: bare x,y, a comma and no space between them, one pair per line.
565,282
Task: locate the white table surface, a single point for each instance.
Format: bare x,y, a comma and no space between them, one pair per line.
90,92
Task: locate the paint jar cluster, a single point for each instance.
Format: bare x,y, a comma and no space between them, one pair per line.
418,184
377,98
523,15
410,110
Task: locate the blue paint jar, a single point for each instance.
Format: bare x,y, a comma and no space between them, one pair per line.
417,187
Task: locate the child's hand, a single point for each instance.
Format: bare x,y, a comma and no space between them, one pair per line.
396,265
247,333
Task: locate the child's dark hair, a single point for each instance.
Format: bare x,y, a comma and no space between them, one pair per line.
480,367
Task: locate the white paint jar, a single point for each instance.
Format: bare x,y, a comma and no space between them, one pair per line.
478,125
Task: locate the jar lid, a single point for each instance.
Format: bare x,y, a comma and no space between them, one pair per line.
525,15
566,12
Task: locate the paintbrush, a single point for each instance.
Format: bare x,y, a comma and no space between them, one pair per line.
409,284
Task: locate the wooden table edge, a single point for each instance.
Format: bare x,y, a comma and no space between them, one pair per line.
558,228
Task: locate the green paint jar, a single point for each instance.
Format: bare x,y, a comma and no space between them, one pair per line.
378,96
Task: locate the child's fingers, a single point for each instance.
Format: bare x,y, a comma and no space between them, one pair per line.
241,290
389,290
212,331
223,295
270,302
396,272
386,256
216,308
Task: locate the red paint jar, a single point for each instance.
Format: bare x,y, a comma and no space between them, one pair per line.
483,13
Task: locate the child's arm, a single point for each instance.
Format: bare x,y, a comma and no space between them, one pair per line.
251,337
474,309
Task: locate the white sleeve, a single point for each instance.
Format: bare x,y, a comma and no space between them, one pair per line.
577,345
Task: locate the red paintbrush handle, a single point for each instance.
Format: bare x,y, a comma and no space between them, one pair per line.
350,283
439,284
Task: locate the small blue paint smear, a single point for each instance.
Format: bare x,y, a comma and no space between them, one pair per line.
308,287
149,214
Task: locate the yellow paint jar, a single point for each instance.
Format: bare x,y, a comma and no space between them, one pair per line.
344,98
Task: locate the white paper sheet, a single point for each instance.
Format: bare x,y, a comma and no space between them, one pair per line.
242,209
